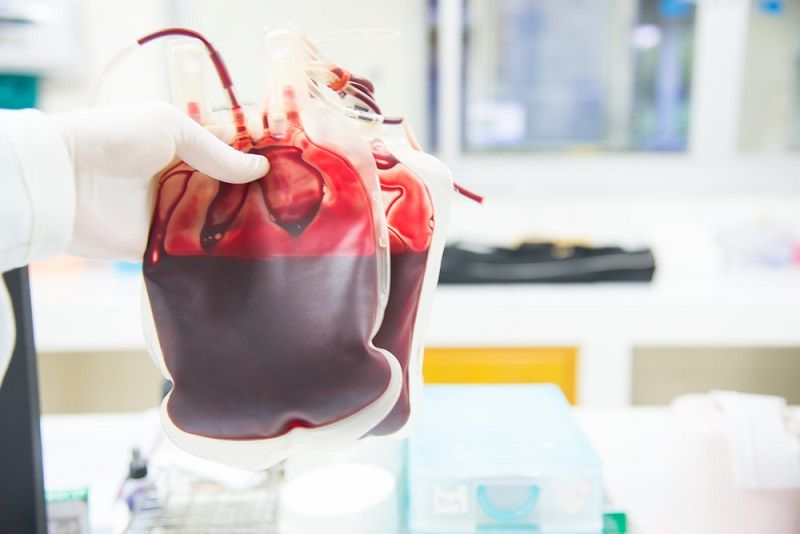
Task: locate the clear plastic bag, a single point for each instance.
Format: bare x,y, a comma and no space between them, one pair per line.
417,192
264,297
290,313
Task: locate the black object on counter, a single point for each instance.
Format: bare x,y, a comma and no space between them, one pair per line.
532,263
22,505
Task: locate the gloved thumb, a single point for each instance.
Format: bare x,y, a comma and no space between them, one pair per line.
202,150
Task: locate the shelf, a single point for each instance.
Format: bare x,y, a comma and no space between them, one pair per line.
95,309
99,310
756,309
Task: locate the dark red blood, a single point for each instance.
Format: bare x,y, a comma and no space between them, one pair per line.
257,347
220,215
409,211
409,214
395,335
264,295
292,189
239,218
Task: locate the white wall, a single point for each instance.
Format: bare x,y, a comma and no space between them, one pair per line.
398,66
106,27
770,115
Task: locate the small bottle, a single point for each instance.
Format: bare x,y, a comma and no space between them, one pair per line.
133,495
137,485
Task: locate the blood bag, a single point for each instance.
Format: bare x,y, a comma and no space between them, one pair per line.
264,297
289,313
417,193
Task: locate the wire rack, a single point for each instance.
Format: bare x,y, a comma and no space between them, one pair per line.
181,504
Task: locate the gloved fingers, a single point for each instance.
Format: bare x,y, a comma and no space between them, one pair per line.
202,150
225,131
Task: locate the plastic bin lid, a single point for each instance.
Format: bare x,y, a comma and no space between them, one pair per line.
476,430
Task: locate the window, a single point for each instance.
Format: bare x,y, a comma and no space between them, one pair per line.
576,74
661,44
770,105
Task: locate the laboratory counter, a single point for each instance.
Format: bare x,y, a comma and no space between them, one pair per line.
92,451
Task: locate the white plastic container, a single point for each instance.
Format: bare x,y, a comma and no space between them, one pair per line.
342,498
489,458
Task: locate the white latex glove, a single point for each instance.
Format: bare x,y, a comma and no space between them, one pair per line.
116,153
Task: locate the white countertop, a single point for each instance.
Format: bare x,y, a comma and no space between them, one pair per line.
646,469
93,451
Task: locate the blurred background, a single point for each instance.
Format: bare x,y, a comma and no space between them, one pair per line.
665,126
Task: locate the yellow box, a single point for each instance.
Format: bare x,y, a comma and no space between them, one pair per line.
498,365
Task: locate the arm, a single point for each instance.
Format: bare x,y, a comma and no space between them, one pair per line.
83,181
37,201
37,192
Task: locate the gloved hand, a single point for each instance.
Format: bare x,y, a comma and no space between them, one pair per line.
116,153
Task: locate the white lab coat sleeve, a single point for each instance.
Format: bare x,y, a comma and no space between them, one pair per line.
37,201
37,189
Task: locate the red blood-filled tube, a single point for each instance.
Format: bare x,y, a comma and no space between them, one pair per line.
363,90
242,137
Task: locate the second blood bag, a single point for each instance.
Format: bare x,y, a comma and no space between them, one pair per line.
265,297
417,192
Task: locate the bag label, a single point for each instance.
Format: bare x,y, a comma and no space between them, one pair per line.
450,502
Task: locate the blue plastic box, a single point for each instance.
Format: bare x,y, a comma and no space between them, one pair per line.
502,458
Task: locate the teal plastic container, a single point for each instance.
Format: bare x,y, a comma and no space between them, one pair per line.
502,458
